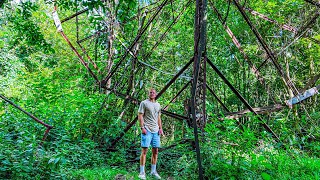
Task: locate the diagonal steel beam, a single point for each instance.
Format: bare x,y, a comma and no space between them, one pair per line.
284,26
218,99
79,56
235,41
89,58
74,15
270,54
178,94
258,110
243,100
27,113
49,127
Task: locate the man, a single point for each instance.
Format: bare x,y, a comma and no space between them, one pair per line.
151,129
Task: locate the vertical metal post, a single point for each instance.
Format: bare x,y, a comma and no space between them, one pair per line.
199,52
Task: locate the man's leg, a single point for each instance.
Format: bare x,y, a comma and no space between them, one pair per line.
143,159
155,145
145,143
154,159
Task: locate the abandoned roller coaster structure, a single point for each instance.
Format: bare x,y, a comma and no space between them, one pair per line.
196,115
123,75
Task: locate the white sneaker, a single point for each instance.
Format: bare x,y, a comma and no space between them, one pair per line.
156,175
142,176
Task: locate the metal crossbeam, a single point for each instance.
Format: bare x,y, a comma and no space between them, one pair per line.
244,101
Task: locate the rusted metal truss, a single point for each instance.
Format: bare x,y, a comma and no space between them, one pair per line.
196,115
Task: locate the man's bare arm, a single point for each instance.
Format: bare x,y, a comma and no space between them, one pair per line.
141,120
160,125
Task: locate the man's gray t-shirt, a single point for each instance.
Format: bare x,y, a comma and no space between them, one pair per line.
150,111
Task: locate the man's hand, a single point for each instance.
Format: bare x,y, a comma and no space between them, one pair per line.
143,130
161,132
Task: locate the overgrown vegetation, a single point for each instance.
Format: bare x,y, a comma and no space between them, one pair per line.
40,73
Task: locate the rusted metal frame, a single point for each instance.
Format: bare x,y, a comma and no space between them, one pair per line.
74,15
313,3
298,35
259,110
174,79
79,56
167,30
204,91
45,135
218,99
119,84
282,50
284,26
157,69
244,101
134,42
49,127
270,54
177,95
199,48
238,45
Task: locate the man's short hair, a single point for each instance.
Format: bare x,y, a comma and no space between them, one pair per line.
152,88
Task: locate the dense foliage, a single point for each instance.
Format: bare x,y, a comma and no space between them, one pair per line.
40,73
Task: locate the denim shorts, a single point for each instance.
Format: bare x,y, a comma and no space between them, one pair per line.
150,138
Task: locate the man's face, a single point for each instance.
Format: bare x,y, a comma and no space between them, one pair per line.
152,94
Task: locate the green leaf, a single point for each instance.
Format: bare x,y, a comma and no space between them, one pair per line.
265,176
51,160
